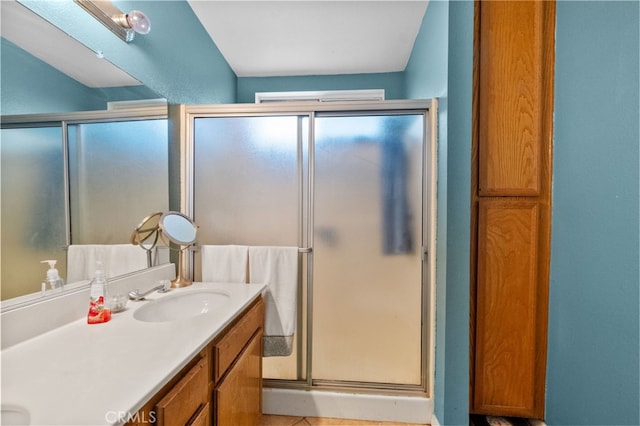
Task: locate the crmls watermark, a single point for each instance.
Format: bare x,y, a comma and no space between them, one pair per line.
124,416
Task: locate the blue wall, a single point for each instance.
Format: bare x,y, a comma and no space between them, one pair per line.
176,59
392,83
426,71
30,86
434,72
458,124
593,375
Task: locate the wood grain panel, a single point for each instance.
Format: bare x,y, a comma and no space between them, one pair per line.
203,418
510,90
239,395
506,311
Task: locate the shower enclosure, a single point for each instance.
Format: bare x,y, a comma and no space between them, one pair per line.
353,186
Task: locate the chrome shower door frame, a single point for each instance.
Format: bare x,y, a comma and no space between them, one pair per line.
311,110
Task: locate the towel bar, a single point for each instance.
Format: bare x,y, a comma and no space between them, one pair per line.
300,249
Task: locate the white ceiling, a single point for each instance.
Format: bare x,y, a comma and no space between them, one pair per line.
304,37
257,38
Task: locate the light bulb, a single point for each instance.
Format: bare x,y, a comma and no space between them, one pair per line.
138,22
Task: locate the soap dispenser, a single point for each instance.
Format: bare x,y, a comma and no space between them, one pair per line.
99,310
53,277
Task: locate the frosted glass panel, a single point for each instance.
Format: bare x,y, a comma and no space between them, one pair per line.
118,175
367,285
246,191
33,207
246,185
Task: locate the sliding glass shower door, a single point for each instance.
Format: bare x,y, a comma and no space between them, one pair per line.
248,190
116,164
33,206
348,188
367,263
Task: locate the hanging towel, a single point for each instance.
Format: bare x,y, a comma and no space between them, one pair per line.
224,264
277,267
125,258
117,259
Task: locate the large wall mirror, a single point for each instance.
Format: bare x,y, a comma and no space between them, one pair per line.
81,163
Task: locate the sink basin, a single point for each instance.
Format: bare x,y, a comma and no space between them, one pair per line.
184,305
13,415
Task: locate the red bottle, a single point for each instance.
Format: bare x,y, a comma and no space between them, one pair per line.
99,310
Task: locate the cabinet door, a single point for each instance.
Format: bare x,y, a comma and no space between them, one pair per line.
239,395
506,306
511,57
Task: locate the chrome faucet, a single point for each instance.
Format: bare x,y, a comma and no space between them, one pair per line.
162,288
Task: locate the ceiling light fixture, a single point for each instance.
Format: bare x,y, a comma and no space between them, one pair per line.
124,25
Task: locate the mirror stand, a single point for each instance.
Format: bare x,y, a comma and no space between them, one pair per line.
149,259
172,226
180,280
146,235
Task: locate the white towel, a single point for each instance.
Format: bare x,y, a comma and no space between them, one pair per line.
224,264
117,259
278,268
125,258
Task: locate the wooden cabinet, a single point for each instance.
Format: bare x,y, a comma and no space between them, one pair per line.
182,401
238,371
511,206
187,398
238,396
222,385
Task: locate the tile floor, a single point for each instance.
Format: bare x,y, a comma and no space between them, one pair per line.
272,420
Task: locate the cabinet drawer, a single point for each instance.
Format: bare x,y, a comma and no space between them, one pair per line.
228,348
185,398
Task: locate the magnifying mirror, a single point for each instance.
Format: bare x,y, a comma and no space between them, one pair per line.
180,230
146,234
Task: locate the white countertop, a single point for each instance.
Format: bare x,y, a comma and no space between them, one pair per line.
82,374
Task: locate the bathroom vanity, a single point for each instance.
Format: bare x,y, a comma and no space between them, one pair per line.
221,385
151,364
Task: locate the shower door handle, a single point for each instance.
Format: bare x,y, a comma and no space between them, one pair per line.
305,249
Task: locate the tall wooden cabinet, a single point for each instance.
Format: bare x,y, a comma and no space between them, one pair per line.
511,205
